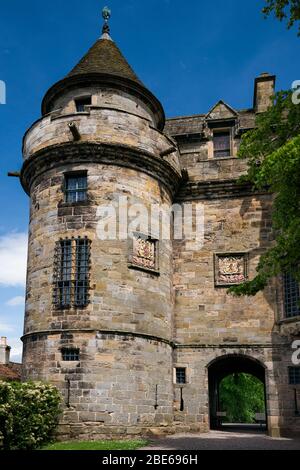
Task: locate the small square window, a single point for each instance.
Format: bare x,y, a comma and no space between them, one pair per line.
222,144
70,354
76,187
180,375
294,375
81,103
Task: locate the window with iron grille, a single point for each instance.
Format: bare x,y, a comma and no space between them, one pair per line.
222,144
180,375
81,103
76,187
294,375
291,296
69,354
71,273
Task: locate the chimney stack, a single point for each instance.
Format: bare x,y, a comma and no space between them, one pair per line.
264,89
4,351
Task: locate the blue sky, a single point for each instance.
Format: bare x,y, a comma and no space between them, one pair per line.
190,54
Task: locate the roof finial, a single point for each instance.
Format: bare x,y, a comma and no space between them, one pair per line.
106,14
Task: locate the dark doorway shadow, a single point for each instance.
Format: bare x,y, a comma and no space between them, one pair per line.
217,371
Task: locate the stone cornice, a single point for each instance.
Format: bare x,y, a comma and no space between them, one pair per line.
100,332
106,154
215,189
171,343
226,346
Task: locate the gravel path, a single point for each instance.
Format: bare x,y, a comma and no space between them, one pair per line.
223,440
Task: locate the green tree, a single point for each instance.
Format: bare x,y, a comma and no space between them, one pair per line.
241,396
284,10
272,151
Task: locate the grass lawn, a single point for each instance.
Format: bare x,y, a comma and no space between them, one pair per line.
96,445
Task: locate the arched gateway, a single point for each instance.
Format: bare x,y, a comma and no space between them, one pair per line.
222,367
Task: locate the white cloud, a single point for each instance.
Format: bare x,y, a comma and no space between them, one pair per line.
16,301
16,349
13,259
5,328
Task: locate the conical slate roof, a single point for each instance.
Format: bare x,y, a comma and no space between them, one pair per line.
105,57
104,64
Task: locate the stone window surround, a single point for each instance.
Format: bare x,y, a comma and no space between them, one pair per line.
187,375
281,317
73,280
71,351
133,265
225,130
284,312
63,203
175,375
293,373
216,126
75,174
243,254
86,97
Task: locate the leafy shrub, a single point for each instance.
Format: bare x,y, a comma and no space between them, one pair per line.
28,414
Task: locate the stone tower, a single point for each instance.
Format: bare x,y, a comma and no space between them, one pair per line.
138,332
98,320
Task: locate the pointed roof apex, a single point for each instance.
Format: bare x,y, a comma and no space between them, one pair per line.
105,57
106,14
105,65
221,110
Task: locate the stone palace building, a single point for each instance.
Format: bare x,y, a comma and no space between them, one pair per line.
137,332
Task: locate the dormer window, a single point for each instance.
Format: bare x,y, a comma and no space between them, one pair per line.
81,103
222,143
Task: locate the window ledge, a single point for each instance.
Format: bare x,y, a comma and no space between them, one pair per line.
71,310
156,272
74,204
289,320
69,364
229,157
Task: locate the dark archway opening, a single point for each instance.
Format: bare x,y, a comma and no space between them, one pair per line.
233,373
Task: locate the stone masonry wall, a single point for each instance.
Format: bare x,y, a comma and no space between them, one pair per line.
124,333
121,385
140,325
205,313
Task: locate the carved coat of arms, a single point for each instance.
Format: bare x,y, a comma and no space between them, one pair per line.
230,270
144,252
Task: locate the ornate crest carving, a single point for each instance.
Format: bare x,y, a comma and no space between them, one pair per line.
230,269
144,252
